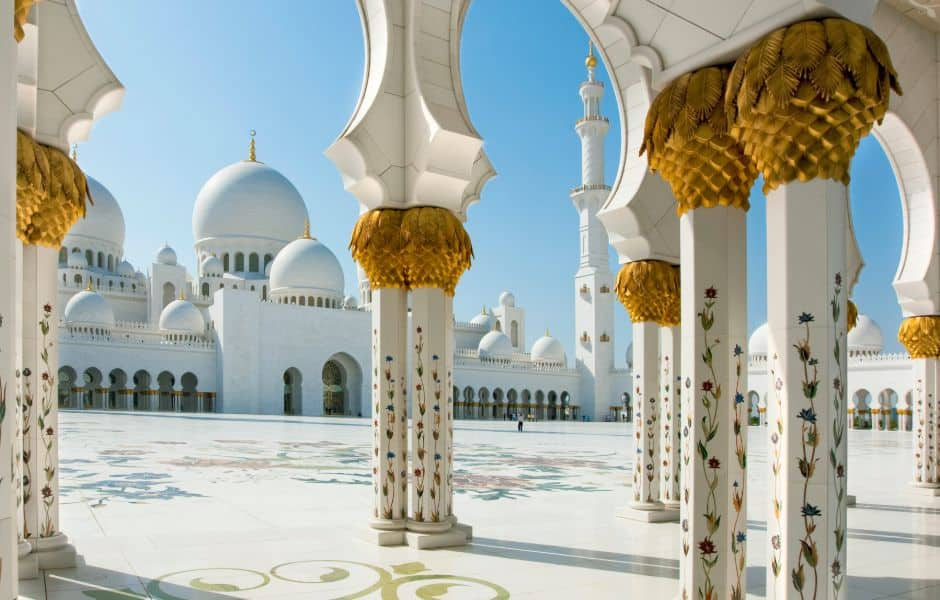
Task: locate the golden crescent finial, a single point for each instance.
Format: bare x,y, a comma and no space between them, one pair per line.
306,234
251,146
591,60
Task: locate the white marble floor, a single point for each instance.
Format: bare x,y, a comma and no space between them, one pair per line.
227,506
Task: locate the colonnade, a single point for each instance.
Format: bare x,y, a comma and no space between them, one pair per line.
793,109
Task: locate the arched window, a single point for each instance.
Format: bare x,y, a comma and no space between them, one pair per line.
169,293
264,292
101,260
111,263
253,262
320,302
267,259
205,289
239,262
514,333
225,262
63,256
303,301
89,257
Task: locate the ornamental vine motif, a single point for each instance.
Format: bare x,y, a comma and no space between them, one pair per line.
919,412
46,422
388,486
26,478
710,398
651,433
807,460
738,487
638,436
667,437
776,442
420,438
838,468
436,496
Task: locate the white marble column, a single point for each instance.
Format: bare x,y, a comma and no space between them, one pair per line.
670,350
8,298
389,414
431,414
646,431
806,313
42,525
926,426
713,258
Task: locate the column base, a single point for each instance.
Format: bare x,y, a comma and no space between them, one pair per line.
671,504
457,535
27,562
926,489
384,532
54,552
651,512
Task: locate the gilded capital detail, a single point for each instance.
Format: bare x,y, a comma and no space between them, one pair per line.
649,290
687,139
802,98
921,336
50,192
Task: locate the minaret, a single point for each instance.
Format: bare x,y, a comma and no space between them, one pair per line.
594,312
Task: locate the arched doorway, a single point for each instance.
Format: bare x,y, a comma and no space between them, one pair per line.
293,392
540,405
497,403
334,389
466,410
92,384
552,406
142,390
861,399
189,383
753,407
350,379
165,383
512,404
567,411
888,416
118,382
484,397
68,380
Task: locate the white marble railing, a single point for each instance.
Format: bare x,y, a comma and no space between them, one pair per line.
467,326
518,361
132,333
859,360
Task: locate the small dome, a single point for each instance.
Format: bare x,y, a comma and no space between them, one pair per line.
485,319
125,269
630,356
495,344
305,264
181,316
248,199
507,299
349,303
211,267
141,277
77,260
166,255
757,345
89,308
103,220
866,337
548,349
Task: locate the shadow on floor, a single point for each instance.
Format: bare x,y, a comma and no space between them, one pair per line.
96,583
873,535
575,557
918,510
879,587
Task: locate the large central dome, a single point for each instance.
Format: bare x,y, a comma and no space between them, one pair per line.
103,221
248,199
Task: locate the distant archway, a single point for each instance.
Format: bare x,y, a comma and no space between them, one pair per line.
118,383
165,383
142,390
189,382
68,380
293,392
92,384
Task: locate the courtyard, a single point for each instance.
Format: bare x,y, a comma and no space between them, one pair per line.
176,506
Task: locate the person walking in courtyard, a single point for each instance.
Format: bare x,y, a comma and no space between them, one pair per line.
521,419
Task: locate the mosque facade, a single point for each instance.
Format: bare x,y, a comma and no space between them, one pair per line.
265,324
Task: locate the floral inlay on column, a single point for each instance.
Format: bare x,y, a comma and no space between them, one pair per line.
47,423
710,399
776,441
27,468
838,437
739,484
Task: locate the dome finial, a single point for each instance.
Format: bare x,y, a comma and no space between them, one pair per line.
484,310
591,61
547,333
251,147
306,234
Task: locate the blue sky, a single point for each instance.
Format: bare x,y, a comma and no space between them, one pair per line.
200,75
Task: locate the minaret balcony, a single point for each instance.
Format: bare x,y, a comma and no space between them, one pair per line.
597,119
590,187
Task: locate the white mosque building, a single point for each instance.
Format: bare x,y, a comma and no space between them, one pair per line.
265,324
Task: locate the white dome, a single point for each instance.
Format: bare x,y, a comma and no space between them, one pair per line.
77,260
103,220
211,266
181,316
548,349
305,263
866,336
485,319
89,308
630,356
125,269
166,255
349,303
495,344
757,345
248,199
141,277
507,299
